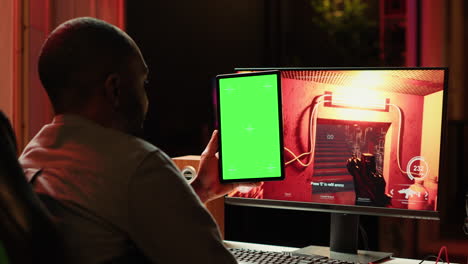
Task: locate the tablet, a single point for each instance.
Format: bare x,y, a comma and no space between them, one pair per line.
250,127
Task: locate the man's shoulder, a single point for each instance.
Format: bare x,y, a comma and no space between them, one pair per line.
140,144
86,142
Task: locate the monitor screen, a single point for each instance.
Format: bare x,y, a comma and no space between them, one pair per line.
359,140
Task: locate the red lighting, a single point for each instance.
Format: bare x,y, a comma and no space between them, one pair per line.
362,101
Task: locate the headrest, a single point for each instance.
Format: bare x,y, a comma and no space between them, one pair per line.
7,136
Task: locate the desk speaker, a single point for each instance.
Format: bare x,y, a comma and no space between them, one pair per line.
188,165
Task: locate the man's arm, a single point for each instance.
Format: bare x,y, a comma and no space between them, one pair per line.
167,220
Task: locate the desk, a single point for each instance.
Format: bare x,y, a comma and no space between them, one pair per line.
235,244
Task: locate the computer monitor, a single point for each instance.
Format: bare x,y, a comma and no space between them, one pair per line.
358,141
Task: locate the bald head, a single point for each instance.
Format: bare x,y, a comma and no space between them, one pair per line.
78,56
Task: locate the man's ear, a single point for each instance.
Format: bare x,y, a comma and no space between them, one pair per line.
112,89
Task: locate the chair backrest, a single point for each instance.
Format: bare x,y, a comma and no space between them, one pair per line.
27,231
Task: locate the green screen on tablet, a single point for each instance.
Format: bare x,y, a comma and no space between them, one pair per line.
250,125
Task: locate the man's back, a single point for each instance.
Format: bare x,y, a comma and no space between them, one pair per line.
114,194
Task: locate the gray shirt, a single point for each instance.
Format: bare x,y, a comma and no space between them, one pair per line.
114,194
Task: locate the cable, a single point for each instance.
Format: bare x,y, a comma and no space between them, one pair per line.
311,140
399,136
312,131
365,239
443,248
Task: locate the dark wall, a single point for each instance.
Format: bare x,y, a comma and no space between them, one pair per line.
185,44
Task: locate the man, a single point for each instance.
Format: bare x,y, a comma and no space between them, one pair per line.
115,197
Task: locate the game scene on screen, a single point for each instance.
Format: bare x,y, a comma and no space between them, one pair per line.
360,137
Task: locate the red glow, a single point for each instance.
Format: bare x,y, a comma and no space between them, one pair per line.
17,110
365,101
121,14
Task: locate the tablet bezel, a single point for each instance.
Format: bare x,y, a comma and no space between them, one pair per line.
280,128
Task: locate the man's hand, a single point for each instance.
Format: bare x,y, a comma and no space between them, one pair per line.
207,184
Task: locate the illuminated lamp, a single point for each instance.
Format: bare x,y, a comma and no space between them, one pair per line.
362,101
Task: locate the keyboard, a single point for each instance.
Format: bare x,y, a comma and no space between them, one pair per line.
251,256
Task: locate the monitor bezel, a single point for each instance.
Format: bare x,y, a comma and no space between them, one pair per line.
356,209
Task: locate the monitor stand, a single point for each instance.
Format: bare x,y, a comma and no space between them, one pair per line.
344,242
